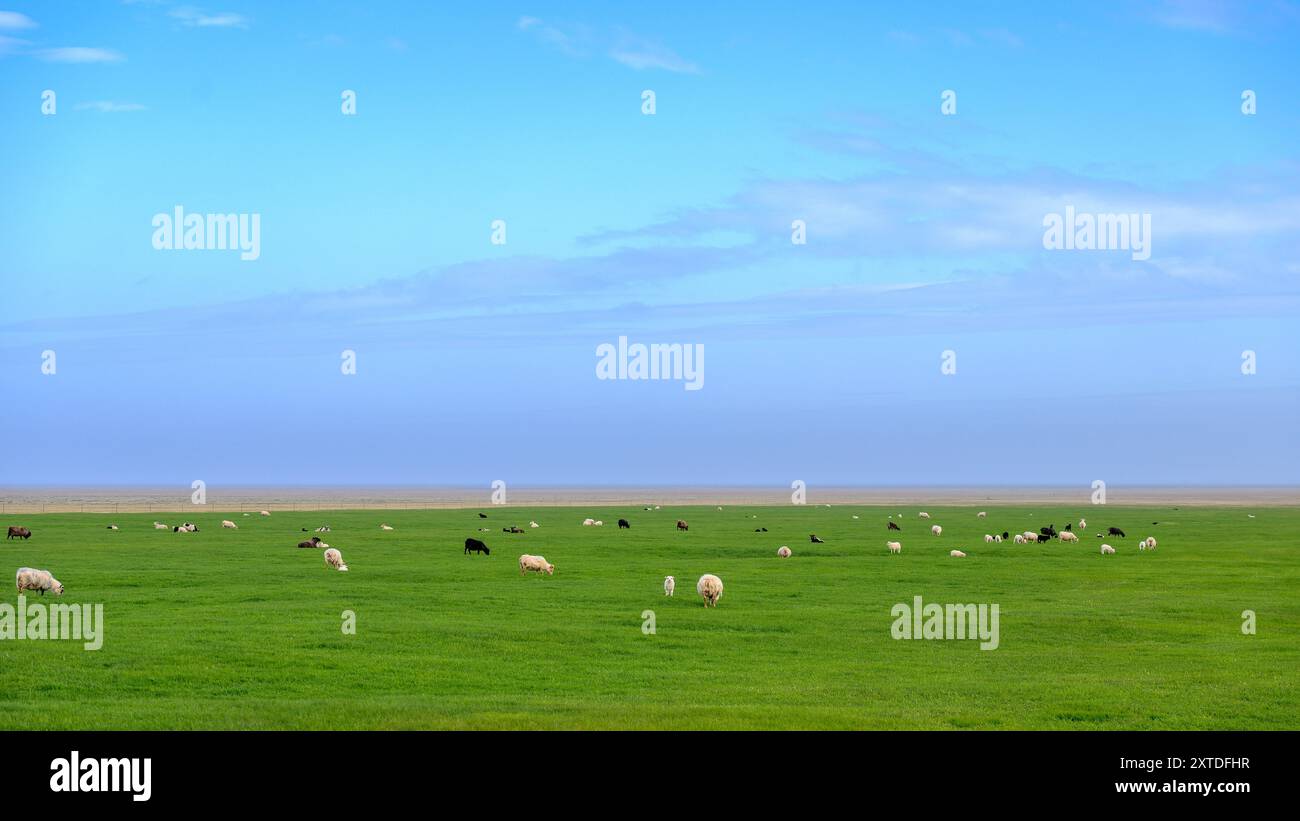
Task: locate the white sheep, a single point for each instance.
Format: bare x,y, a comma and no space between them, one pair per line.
981,515
783,552
997,537
31,579
956,554
334,559
1031,536
1149,543
160,526
1067,536
588,522
1019,538
598,523
988,538
1107,550
226,523
894,547
670,584
710,589
264,513
924,515
1083,524
533,524
385,527
536,564
936,530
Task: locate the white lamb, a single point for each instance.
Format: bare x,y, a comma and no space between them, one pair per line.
710,589
783,552
334,559
894,547
956,554
1107,550
988,538
670,584
229,524
924,515
536,564
31,579
385,527
981,515
936,530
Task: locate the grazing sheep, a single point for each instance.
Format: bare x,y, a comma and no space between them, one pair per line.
894,547
1067,536
159,526
385,527
624,524
936,530
30,579
334,559
1107,550
670,584
1115,531
588,522
536,564
1043,537
1030,536
226,523
264,513
1149,543
981,515
710,589
475,546
997,538
813,538
783,552
988,538
482,515
598,523
924,515
1019,538
893,526
681,525
20,532
956,554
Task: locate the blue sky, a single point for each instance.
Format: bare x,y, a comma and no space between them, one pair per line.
477,361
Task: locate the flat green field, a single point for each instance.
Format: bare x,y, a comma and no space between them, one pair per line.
241,629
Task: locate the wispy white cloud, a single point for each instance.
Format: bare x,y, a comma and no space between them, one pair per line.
12,20
108,106
191,16
620,45
79,54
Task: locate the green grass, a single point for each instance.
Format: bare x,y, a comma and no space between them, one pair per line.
240,629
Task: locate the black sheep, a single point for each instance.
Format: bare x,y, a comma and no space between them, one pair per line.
476,546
